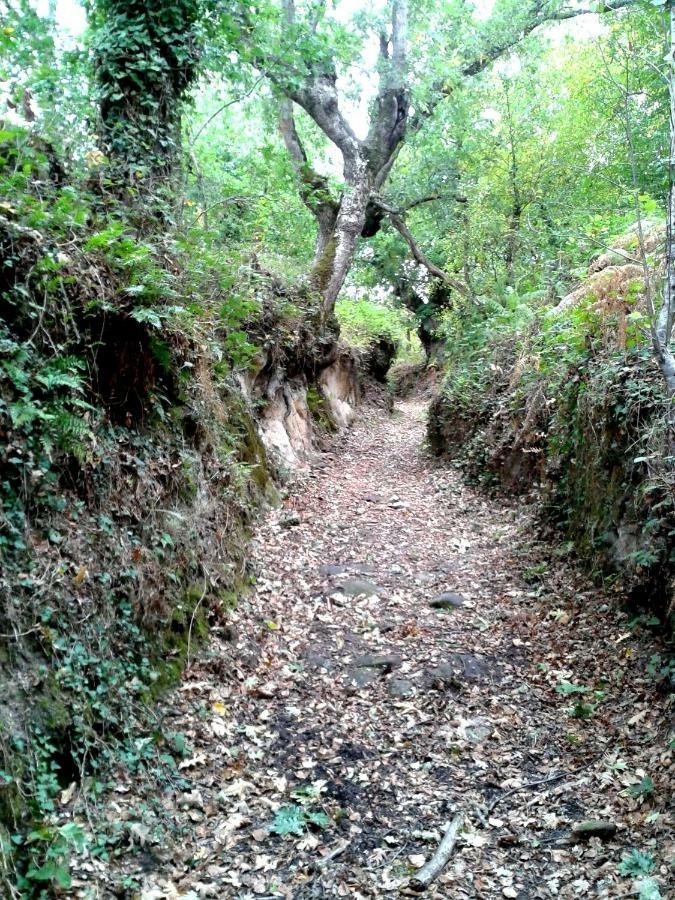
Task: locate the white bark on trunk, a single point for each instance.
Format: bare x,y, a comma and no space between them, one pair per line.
350,222
663,328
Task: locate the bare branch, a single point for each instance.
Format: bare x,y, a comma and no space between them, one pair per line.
224,107
412,204
420,258
429,198
234,199
314,188
430,872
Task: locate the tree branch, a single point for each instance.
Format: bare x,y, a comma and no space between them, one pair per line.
315,92
224,107
399,44
319,98
429,198
419,256
537,16
389,121
316,15
314,188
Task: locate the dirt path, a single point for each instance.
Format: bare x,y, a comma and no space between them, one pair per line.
345,707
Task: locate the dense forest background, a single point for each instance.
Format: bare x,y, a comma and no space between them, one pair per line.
201,207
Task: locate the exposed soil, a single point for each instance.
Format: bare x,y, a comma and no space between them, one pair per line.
341,702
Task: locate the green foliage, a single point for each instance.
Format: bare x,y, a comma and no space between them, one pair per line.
582,710
566,688
136,282
637,863
295,819
48,850
570,400
364,321
530,163
649,890
643,790
145,60
117,350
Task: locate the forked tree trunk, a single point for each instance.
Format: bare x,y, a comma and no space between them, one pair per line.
367,163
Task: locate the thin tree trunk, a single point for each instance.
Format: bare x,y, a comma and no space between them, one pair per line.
516,202
661,320
664,320
350,221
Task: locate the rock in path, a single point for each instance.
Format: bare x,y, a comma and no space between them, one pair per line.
354,587
383,661
447,600
400,689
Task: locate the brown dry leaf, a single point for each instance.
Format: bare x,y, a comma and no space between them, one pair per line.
372,718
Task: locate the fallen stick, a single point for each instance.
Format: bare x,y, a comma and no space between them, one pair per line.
529,784
430,872
323,861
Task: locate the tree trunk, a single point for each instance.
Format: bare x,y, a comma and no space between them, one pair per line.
349,225
663,327
664,324
516,203
145,60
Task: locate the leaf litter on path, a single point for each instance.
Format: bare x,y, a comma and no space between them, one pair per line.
353,714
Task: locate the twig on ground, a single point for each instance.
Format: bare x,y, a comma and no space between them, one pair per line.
529,784
430,872
323,861
192,622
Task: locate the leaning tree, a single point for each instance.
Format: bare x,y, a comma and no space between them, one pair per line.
298,50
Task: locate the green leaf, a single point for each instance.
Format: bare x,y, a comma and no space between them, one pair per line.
62,876
649,890
44,873
72,833
637,863
582,710
318,818
289,820
644,789
149,316
565,687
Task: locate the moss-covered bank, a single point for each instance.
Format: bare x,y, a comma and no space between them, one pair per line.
570,406
130,469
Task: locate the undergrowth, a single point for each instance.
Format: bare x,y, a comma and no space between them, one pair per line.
364,321
129,469
569,404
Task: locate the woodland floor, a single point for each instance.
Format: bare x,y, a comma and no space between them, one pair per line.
342,705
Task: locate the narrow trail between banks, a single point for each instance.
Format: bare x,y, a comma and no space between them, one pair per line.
406,654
